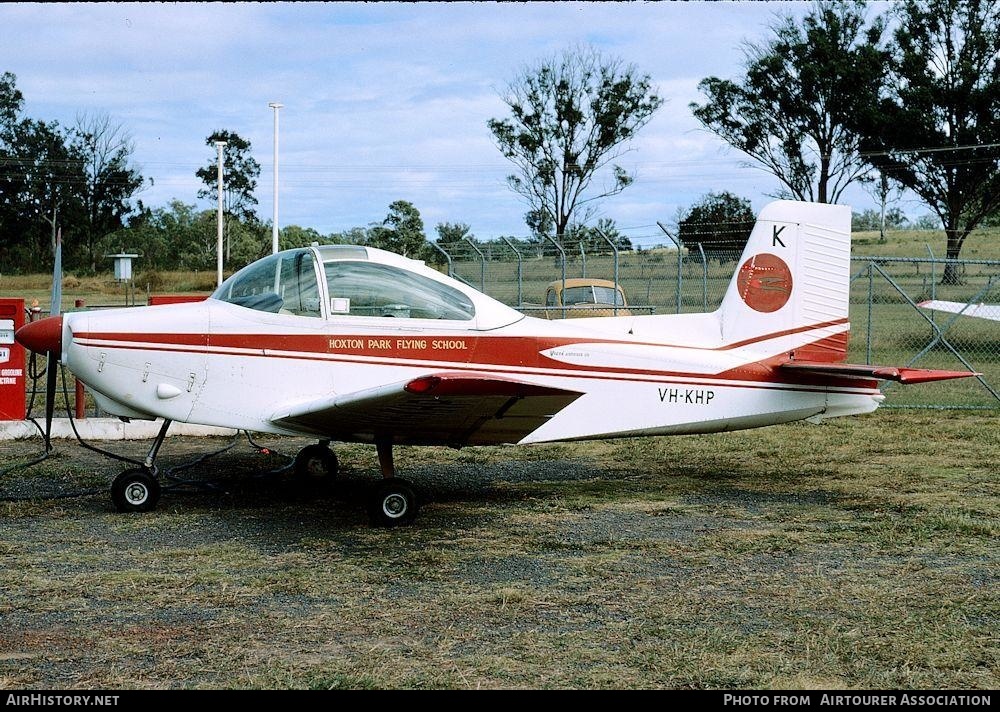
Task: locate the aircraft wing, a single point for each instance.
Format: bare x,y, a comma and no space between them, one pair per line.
882,373
456,408
983,311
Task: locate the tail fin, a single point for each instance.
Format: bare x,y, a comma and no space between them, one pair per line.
793,282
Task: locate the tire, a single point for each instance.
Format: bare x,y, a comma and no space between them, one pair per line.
135,491
315,464
393,503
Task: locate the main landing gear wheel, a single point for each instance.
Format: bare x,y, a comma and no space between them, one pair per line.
393,503
315,464
135,491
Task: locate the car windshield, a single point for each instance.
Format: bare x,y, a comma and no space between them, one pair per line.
608,295
590,294
578,295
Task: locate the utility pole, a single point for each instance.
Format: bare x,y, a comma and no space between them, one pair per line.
219,145
274,222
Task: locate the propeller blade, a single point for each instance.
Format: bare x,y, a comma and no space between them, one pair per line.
52,360
51,370
56,307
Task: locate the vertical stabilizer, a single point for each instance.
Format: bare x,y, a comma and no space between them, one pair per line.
792,282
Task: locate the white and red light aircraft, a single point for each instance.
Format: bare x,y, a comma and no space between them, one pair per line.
351,343
981,311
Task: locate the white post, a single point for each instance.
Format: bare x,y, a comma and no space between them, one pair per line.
274,222
219,145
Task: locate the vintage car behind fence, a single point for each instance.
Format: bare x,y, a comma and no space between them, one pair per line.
584,297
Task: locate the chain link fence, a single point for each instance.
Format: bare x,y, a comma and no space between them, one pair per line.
887,324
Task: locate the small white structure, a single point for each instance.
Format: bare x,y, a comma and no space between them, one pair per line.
123,266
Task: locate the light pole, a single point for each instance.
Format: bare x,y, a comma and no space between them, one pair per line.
218,220
274,223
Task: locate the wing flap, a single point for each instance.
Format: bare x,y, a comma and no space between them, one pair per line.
900,374
449,407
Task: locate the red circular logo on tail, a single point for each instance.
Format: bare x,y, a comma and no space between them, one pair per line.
764,282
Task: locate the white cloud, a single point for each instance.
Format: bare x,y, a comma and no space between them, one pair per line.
382,100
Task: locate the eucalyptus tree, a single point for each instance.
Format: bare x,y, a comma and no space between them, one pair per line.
936,129
241,171
108,181
793,110
571,117
402,231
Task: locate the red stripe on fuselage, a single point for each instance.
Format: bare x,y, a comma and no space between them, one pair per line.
482,351
322,343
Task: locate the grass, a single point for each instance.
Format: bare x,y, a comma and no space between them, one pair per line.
982,244
102,290
856,554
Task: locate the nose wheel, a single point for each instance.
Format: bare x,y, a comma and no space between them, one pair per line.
135,491
315,464
138,490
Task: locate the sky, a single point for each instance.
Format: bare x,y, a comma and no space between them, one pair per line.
384,101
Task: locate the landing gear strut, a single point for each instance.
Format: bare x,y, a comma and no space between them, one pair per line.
138,489
393,501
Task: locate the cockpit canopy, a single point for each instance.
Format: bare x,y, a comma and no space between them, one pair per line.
334,281
284,283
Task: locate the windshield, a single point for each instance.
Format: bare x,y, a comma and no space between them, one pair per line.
591,294
284,283
607,295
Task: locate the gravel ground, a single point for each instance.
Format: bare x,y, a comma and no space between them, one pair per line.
243,469
660,563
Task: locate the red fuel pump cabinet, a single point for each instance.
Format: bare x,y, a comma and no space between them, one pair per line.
11,360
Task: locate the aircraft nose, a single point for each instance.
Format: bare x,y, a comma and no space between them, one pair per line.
43,336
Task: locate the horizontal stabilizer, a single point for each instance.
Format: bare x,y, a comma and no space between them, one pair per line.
882,373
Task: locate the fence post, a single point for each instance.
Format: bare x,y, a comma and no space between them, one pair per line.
520,300
933,271
562,253
583,260
704,279
451,271
649,289
871,296
677,242
614,249
482,264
